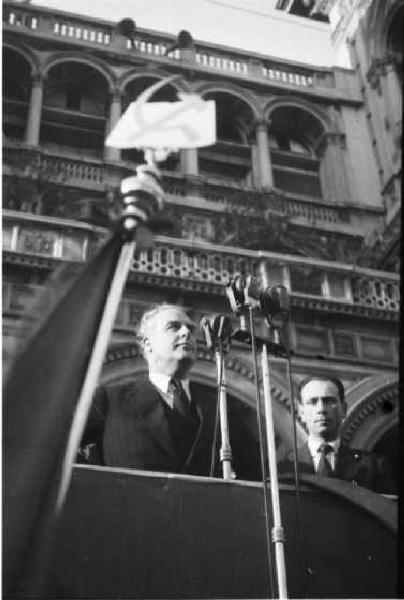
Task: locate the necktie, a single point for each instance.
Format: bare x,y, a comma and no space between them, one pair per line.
324,466
181,401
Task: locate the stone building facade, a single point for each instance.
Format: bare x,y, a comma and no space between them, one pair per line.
304,175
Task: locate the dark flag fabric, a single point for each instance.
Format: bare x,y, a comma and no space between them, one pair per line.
39,399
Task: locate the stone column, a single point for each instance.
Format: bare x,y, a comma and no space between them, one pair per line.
189,161
334,168
115,109
264,167
382,113
394,96
35,111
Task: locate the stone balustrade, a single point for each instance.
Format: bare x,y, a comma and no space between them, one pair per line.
222,61
90,172
97,32
72,169
277,74
154,47
198,264
77,31
49,237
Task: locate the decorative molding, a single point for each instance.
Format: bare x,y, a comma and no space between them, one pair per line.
85,58
331,139
378,68
384,400
185,284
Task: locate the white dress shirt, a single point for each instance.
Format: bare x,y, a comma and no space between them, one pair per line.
314,445
162,382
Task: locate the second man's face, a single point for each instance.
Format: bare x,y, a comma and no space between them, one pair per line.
171,344
322,409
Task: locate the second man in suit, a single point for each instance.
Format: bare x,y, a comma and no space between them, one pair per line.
322,408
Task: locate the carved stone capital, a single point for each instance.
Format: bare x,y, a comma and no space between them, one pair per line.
331,139
390,60
383,403
261,123
38,79
379,67
116,94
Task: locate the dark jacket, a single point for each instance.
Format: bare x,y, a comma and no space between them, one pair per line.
131,427
357,466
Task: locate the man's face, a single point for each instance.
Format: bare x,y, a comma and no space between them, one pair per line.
322,410
170,344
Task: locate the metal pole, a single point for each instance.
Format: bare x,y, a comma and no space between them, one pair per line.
95,366
225,449
262,451
277,531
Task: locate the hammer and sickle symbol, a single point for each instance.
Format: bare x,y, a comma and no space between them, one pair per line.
190,101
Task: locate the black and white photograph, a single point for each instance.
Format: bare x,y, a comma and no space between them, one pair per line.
201,226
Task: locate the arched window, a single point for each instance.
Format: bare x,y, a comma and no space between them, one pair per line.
230,158
16,93
292,137
395,36
75,107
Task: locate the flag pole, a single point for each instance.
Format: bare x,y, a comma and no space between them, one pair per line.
94,367
142,198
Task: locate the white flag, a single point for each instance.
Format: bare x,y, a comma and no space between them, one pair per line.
188,123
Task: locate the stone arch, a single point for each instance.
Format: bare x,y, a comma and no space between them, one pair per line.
228,88
76,84
180,84
373,411
297,136
26,53
304,105
80,57
19,68
124,362
379,20
393,34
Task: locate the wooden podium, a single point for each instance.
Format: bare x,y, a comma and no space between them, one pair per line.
136,534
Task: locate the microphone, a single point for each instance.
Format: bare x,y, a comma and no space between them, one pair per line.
217,329
235,294
274,300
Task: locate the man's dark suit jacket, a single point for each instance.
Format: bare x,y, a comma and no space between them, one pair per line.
129,424
357,466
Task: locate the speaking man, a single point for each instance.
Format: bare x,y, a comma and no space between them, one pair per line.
155,423
322,408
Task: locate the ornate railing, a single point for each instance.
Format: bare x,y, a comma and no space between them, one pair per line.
101,33
90,172
74,168
154,47
278,74
78,32
206,263
49,237
220,60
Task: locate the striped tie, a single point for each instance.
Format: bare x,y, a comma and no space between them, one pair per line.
181,401
324,467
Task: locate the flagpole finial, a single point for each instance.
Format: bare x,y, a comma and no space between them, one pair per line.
142,197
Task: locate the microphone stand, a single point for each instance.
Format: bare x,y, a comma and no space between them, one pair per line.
277,532
217,332
248,294
278,537
274,301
